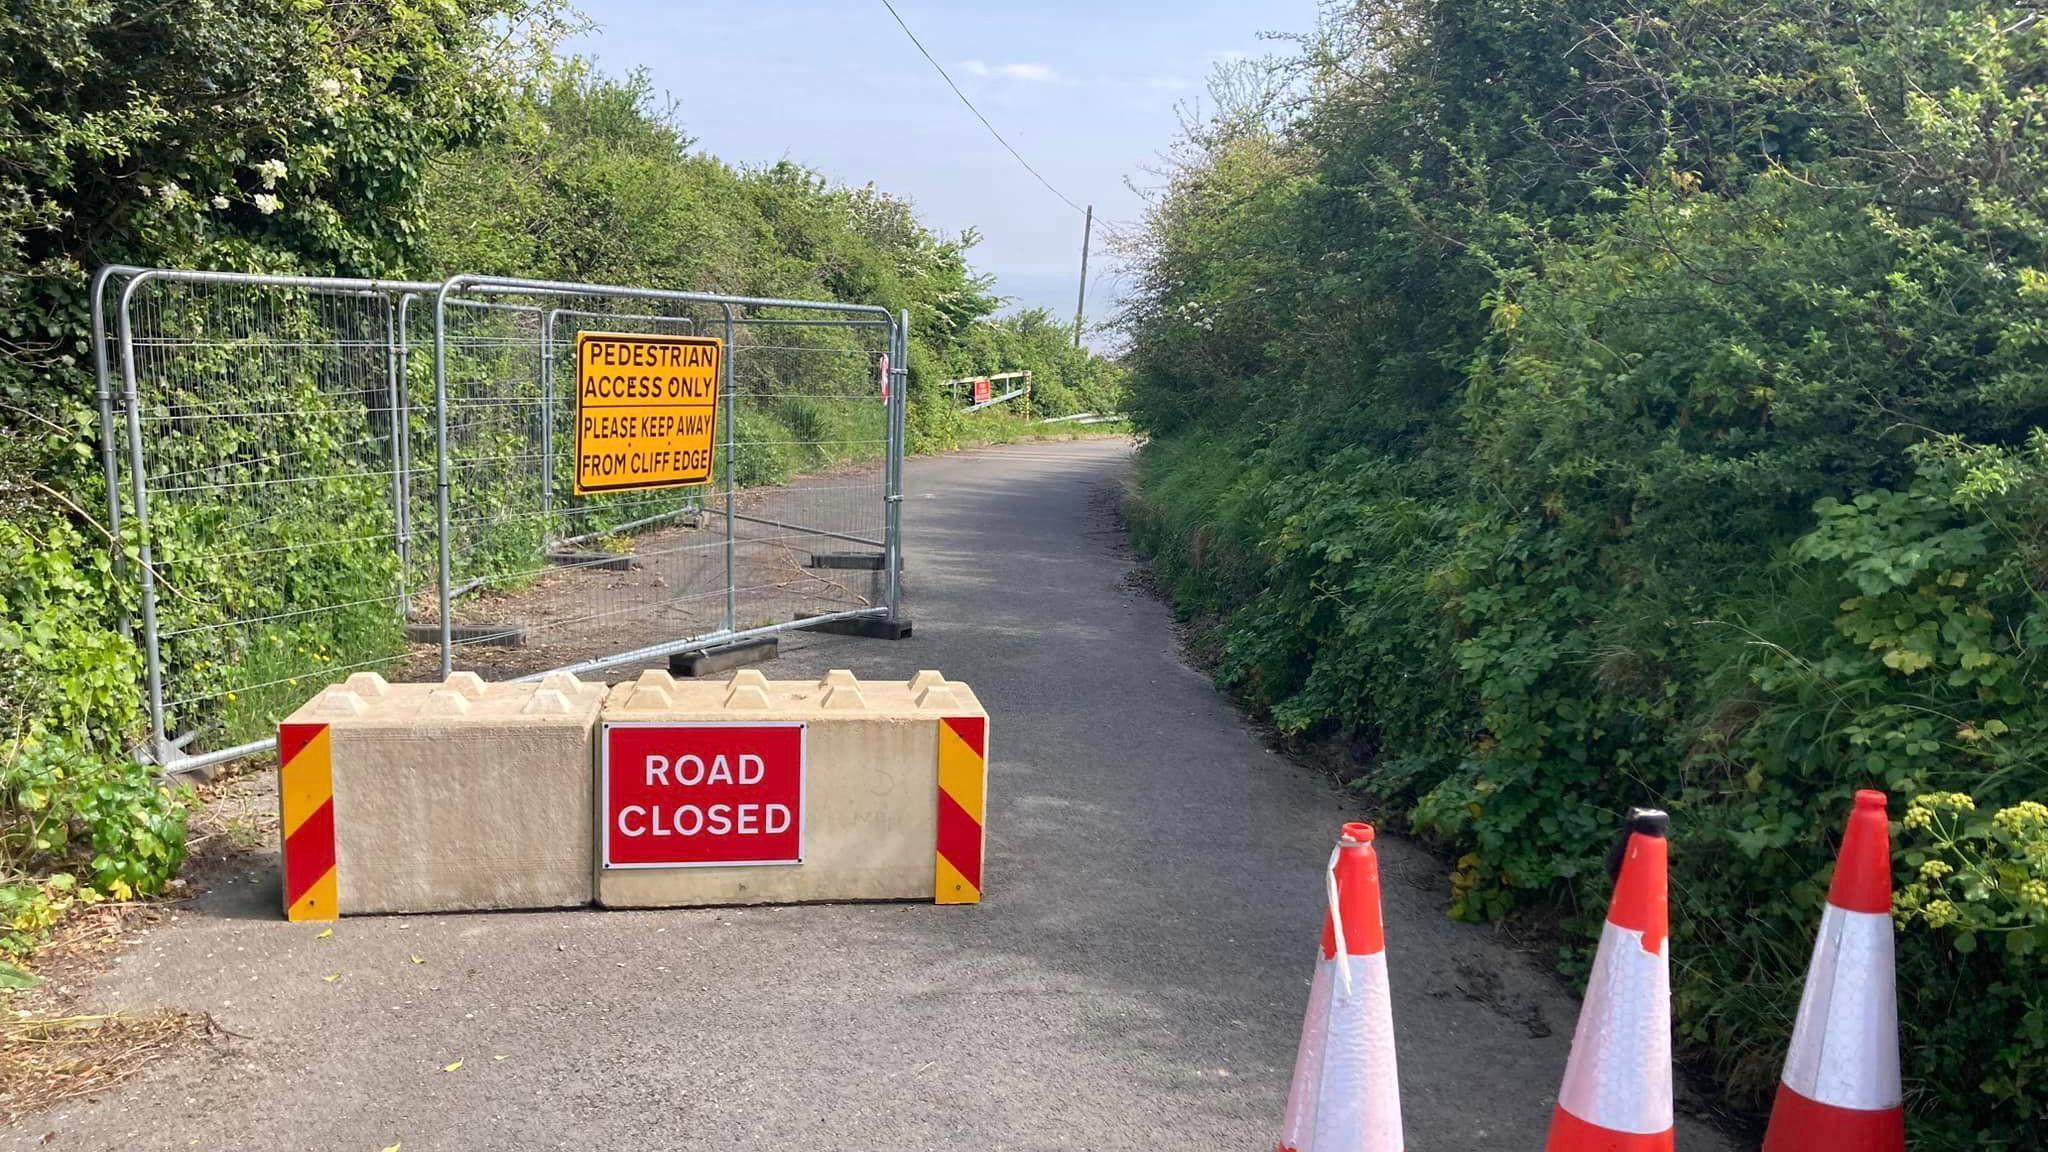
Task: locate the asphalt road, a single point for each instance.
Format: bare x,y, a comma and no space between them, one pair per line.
1135,978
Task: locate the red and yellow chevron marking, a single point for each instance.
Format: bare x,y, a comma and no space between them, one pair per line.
963,795
305,790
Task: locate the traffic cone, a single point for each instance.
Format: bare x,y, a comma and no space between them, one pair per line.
1840,1091
1616,1095
1345,1096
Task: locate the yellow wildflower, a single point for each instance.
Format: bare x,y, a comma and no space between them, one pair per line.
2035,892
2023,817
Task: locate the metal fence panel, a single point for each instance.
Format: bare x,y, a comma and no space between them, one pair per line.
322,476
792,527
263,483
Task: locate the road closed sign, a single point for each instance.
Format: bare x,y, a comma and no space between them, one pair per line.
646,407
696,795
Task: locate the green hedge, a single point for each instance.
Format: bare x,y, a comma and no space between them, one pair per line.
1565,414
257,137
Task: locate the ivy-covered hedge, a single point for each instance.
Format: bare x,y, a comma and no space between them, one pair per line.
266,136
1568,412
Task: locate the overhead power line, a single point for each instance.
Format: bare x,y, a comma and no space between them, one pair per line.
971,108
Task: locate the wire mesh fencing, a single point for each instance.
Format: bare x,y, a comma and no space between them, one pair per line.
262,481
792,526
323,476
810,456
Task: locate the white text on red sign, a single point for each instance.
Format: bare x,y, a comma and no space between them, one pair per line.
678,795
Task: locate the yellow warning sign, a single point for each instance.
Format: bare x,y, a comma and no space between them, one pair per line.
645,410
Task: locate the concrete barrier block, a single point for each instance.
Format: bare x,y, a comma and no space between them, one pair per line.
438,797
840,789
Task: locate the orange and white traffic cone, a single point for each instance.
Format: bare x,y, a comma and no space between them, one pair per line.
1345,1096
1840,1091
1616,1095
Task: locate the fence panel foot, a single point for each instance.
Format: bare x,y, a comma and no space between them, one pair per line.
724,657
866,627
489,635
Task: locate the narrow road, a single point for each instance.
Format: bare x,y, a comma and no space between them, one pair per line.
1134,980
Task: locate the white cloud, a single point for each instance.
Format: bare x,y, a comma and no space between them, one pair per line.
1030,73
1037,73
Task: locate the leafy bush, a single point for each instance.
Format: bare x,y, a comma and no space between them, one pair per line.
1569,413
63,802
68,798
63,665
262,136
766,452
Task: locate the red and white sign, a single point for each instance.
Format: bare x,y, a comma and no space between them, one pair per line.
883,372
689,795
982,390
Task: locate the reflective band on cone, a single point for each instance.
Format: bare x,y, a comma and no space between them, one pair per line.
1840,1091
1345,1096
1616,1095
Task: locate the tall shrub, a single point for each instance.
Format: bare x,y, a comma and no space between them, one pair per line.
1590,367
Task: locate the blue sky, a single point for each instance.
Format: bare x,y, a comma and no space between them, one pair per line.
1085,91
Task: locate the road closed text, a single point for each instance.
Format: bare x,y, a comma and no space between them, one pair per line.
678,795
746,818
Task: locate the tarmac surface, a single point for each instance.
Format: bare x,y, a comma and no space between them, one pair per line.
1134,979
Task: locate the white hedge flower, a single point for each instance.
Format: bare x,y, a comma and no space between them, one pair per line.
330,88
170,192
219,201
271,171
265,203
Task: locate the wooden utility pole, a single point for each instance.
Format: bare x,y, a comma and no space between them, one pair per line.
1081,305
